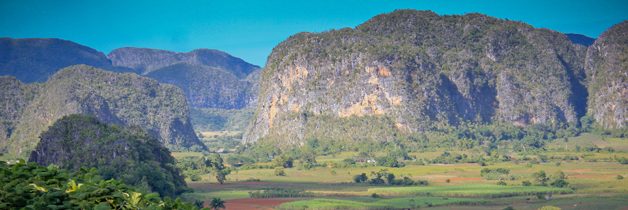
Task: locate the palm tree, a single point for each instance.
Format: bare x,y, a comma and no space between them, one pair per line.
217,203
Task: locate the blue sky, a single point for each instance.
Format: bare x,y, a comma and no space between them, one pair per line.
250,29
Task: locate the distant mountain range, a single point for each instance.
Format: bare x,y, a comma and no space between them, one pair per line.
35,60
580,39
210,78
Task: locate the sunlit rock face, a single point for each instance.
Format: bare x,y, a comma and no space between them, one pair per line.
607,76
410,71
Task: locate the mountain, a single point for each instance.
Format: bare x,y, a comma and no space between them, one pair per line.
210,78
14,96
213,81
127,154
410,71
124,99
580,39
607,73
34,60
143,60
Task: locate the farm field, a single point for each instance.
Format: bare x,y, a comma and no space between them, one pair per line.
594,182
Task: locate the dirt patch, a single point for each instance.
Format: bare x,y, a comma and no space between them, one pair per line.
255,203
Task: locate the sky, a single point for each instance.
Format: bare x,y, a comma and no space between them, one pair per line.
249,29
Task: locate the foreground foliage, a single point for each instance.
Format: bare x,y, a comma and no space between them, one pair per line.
30,186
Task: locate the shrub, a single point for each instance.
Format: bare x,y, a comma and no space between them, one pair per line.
540,178
195,177
620,177
526,183
279,172
361,178
495,173
389,161
283,161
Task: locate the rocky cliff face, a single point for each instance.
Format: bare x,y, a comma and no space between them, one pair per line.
34,60
125,99
409,71
209,78
607,73
127,154
14,96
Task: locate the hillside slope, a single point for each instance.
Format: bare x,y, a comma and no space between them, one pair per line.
127,154
125,99
607,73
410,71
209,78
14,96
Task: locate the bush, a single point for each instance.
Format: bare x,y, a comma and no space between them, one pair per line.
501,182
195,177
279,172
283,161
361,178
495,173
620,177
526,183
389,161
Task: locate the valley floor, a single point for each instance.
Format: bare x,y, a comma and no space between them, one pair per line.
595,182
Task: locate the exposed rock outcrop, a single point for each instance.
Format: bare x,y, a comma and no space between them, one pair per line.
125,99
410,71
607,74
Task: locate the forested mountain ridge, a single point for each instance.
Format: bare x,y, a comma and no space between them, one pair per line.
209,78
144,60
607,75
411,71
125,99
34,60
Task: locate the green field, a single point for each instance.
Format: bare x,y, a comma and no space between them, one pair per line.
592,176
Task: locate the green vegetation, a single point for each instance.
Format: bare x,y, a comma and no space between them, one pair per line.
194,167
279,193
213,119
127,154
377,203
30,186
123,99
490,191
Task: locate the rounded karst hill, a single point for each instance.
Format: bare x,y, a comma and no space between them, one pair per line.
125,153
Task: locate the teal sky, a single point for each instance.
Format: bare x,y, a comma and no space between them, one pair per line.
250,29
